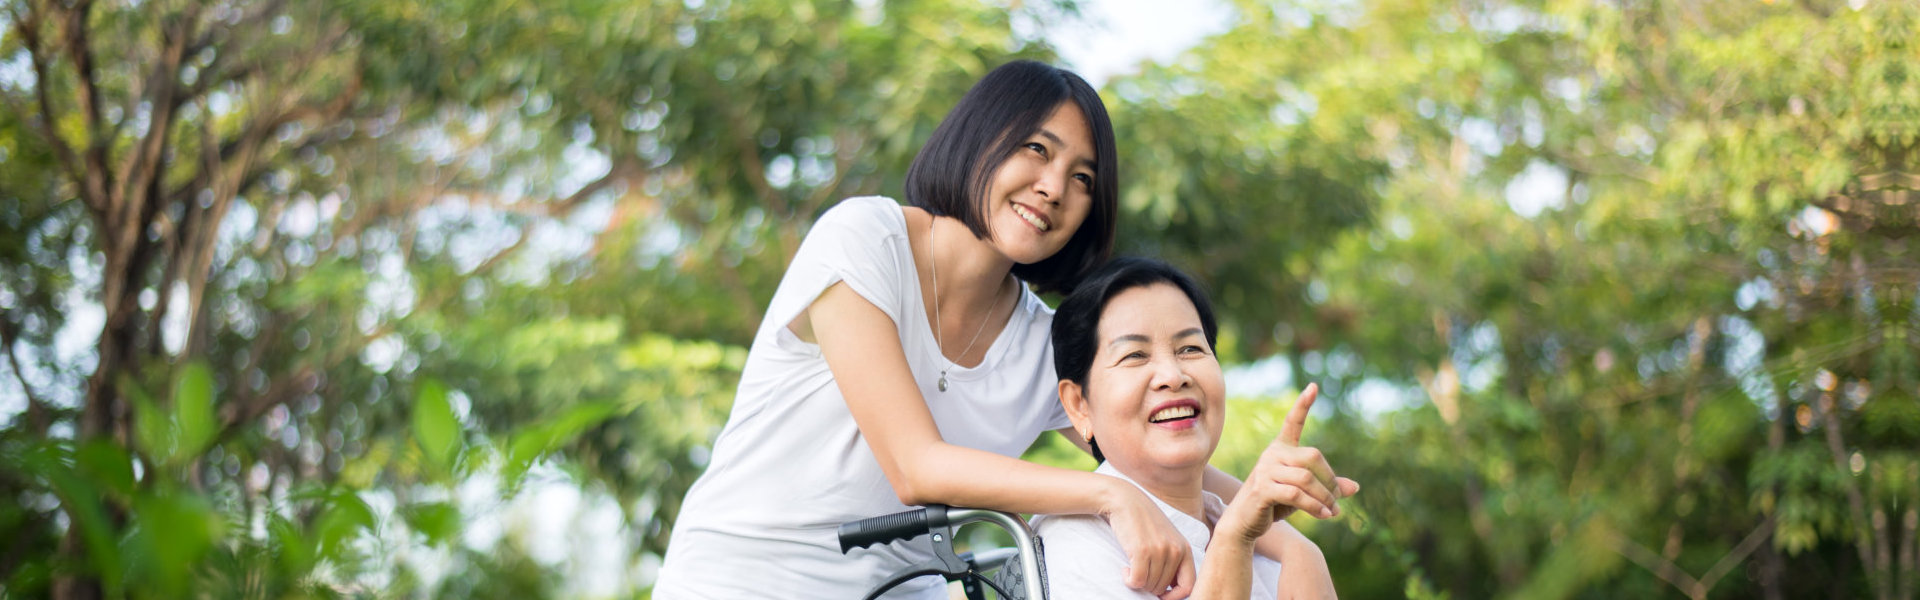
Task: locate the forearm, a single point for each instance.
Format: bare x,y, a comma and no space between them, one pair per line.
1228,570
944,473
1303,568
1226,574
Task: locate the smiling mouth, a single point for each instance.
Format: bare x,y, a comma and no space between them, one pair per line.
1032,219
1174,413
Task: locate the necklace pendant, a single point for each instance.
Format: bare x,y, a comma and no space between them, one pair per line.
943,381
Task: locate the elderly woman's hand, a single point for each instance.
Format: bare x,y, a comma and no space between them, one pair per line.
1160,563
1288,477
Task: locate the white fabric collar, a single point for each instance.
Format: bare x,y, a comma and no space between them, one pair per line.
1196,532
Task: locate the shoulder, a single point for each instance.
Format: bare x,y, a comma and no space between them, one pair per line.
1077,535
867,234
1084,559
864,213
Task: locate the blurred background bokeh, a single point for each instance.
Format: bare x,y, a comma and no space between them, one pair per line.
446,298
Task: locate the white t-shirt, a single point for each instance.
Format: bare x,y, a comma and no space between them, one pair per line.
791,465
1084,559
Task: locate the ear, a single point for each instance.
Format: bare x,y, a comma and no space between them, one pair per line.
1074,399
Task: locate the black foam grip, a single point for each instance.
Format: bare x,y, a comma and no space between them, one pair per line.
888,528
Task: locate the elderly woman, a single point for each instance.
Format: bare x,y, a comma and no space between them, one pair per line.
1134,349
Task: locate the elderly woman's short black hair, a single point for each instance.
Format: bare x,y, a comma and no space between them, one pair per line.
1076,324
952,173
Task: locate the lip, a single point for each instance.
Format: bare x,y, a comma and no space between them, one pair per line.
1040,214
1182,424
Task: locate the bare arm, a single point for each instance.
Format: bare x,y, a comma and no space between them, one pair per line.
861,346
1303,572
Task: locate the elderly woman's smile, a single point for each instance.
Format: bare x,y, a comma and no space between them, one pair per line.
1155,391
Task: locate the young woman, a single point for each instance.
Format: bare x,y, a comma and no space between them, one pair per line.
904,361
1134,350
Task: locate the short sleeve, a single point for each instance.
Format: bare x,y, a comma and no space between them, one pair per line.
1048,387
859,241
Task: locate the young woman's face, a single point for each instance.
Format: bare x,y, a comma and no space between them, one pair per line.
1155,397
1042,193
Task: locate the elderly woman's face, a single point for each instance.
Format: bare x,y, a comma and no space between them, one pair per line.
1155,394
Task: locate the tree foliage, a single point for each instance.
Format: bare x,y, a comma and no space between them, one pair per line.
1610,299
1639,274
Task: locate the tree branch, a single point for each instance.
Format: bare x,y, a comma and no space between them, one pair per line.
39,415
29,30
623,170
227,170
1910,526
141,163
237,415
1828,412
251,22
81,53
1737,555
137,195
1658,565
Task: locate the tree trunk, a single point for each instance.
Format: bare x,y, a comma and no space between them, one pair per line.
1771,563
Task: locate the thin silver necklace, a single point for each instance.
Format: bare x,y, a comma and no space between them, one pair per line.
934,265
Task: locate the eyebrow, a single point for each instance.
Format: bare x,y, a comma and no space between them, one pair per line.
1135,337
1085,162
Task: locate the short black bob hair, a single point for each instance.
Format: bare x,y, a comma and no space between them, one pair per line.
1076,324
951,174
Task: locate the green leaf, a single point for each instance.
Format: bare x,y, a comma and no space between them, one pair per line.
193,410
547,436
435,426
346,516
172,534
151,428
294,549
439,521
108,464
81,501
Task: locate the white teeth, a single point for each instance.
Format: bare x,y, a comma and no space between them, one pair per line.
1030,217
1176,412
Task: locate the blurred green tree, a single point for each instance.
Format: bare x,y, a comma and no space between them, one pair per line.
1639,272
1637,276
316,213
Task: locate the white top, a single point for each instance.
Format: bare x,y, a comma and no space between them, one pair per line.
791,465
1084,559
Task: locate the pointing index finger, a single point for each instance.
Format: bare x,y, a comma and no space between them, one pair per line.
1297,418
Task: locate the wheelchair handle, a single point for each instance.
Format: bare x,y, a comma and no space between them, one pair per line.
890,528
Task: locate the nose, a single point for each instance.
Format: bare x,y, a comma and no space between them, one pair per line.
1169,375
1049,184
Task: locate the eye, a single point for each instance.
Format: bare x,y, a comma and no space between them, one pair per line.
1193,350
1134,356
1037,147
1084,179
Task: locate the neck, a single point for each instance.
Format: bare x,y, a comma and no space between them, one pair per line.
971,272
1179,487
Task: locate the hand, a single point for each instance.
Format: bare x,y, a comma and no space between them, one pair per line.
1160,563
1290,477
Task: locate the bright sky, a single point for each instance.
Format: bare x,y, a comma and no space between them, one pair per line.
1118,35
